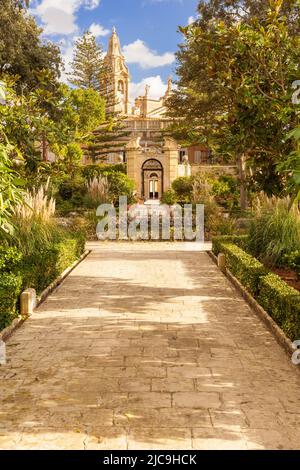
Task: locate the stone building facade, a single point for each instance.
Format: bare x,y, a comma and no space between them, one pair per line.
153,162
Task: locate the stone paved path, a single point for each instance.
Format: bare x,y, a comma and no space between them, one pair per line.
147,346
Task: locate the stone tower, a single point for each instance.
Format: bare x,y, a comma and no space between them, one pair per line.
117,84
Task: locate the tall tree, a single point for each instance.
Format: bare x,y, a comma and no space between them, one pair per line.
22,50
290,167
10,192
235,90
88,63
110,137
231,11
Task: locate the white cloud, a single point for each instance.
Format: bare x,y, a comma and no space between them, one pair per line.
98,30
59,16
139,53
67,51
191,20
157,88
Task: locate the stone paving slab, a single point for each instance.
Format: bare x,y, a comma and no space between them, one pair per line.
147,346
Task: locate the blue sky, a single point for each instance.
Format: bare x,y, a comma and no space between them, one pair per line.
147,29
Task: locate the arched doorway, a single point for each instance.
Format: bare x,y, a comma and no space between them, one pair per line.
152,179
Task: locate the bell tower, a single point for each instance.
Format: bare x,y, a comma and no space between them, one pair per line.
117,82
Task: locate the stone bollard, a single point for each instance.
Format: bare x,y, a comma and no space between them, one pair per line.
222,262
28,302
2,353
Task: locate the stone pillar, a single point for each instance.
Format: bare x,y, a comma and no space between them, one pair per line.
171,159
28,302
222,262
133,152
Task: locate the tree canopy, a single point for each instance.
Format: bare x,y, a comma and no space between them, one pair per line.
87,65
231,11
235,87
22,51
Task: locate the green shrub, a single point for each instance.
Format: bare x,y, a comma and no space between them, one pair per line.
239,240
183,188
73,189
244,267
119,185
93,171
282,302
226,191
292,261
169,197
275,230
42,267
217,224
10,258
10,290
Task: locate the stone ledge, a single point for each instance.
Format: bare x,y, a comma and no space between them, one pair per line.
272,326
7,332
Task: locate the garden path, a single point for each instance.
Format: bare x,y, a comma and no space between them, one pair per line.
147,345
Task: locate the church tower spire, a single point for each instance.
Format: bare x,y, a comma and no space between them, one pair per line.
114,47
118,81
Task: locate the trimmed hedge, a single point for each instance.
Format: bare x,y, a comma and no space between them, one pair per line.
282,302
40,269
278,299
10,290
37,271
244,267
239,240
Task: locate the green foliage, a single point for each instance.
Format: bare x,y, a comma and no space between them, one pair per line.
203,188
240,240
23,51
29,119
290,167
247,269
183,188
216,222
110,137
87,65
10,193
93,171
282,303
235,85
230,11
119,185
71,156
81,112
72,190
10,258
226,191
199,189
42,267
169,197
62,121
34,222
36,269
10,290
292,260
275,230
